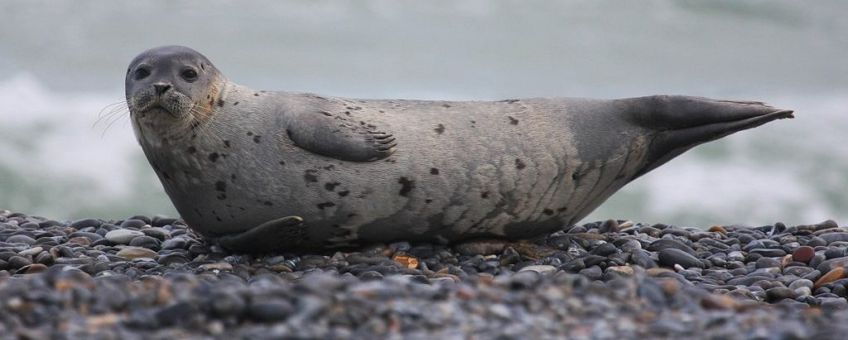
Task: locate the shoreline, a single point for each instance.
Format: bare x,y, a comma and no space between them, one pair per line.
143,277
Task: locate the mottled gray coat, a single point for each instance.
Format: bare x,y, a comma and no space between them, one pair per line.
379,170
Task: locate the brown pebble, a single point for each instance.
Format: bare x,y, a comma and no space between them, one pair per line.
657,271
33,268
718,229
621,270
670,286
407,261
217,266
83,241
280,268
136,253
803,254
718,301
833,275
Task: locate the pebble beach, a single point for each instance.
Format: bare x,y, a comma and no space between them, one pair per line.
153,278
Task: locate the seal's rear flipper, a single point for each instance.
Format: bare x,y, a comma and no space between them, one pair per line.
683,122
268,236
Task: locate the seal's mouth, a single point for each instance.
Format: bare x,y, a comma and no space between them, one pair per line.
170,105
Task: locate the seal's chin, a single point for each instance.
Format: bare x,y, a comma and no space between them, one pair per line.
160,110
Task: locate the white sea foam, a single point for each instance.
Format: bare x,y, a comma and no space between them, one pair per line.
49,138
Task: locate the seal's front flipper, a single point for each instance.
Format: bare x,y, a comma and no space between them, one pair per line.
337,131
269,236
682,122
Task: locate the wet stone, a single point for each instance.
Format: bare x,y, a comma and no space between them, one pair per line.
135,253
835,237
20,239
803,254
674,256
122,236
174,243
768,252
145,242
133,223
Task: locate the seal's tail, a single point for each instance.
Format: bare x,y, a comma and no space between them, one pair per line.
683,122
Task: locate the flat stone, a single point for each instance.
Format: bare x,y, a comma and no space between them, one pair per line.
136,253
835,237
217,266
20,239
666,243
671,256
31,251
768,252
122,236
827,265
541,269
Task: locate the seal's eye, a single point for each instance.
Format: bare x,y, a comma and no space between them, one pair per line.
141,73
189,75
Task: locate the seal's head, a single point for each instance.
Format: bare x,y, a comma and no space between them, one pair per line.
172,84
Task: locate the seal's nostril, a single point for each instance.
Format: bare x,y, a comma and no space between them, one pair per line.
161,88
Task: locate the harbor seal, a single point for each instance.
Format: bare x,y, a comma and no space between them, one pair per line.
271,171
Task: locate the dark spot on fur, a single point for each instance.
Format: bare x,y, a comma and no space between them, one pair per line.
440,129
562,209
428,201
250,133
484,194
509,101
329,167
326,205
218,218
232,177
256,139
255,94
165,175
512,120
220,103
191,149
227,143
236,103
214,156
330,186
326,113
221,186
311,175
548,212
282,162
446,105
351,215
268,203
519,164
343,193
434,171
406,185
222,196
574,176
